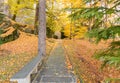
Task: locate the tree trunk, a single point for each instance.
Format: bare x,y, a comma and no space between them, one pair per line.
15,12
36,19
14,17
71,24
106,16
42,28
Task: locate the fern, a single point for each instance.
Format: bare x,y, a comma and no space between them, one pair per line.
113,80
110,55
105,33
87,13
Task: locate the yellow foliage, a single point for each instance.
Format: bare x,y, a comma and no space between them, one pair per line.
74,3
67,29
77,32
81,32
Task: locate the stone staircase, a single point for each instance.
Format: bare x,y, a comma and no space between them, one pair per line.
55,70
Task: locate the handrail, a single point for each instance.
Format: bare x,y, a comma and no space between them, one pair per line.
24,75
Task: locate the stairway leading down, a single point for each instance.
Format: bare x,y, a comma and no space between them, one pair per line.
55,70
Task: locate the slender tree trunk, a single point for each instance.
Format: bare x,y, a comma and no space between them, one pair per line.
90,21
106,16
52,7
102,24
15,12
36,19
71,25
14,17
42,28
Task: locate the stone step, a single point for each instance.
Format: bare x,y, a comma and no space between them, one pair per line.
57,79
